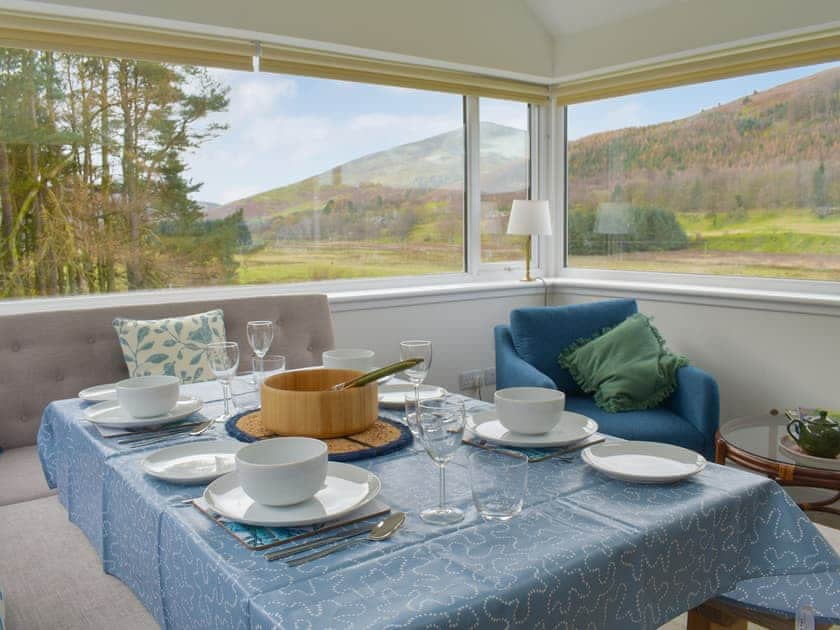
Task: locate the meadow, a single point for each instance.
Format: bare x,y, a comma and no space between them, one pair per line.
790,243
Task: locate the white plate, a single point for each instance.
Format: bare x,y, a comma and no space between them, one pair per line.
347,488
110,414
99,393
574,427
811,461
193,463
394,395
644,462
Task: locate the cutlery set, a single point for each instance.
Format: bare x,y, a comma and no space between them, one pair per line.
146,438
336,542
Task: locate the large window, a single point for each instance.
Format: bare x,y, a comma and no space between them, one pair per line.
118,174
735,177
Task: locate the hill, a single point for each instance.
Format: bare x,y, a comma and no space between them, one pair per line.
435,163
761,150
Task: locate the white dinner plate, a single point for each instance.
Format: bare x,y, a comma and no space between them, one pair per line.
110,414
394,395
193,463
644,462
574,427
99,393
801,457
346,488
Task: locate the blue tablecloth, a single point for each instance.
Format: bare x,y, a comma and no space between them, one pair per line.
586,552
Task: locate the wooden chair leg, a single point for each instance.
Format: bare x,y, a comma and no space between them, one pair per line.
705,617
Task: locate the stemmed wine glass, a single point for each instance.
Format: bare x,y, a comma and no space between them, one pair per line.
417,349
260,336
224,361
441,424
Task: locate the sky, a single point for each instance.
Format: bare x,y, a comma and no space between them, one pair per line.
282,129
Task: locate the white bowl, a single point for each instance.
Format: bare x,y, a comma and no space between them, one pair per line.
148,396
282,471
529,410
349,359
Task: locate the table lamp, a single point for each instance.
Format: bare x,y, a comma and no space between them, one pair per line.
529,217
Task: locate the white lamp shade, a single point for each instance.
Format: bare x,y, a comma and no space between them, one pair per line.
529,217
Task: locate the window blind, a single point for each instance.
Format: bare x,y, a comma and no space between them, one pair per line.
36,31
788,52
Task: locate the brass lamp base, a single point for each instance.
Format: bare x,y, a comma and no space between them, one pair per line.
528,277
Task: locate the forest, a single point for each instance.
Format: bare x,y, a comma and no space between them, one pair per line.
92,177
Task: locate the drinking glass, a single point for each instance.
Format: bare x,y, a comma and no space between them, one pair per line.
224,361
260,336
417,349
245,394
271,364
411,415
441,424
498,479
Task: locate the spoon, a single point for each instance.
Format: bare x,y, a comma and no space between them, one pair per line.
382,530
202,429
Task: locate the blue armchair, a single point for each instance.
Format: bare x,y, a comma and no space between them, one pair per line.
527,352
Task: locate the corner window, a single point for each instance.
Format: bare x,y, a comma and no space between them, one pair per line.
735,177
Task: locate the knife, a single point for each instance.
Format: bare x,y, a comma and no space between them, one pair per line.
285,553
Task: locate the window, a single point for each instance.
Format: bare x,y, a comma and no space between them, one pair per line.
732,177
504,161
118,174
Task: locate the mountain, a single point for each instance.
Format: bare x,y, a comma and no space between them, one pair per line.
767,149
435,163
760,150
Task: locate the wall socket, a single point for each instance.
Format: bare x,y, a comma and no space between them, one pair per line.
470,380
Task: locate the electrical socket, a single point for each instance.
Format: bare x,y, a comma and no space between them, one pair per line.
489,376
470,380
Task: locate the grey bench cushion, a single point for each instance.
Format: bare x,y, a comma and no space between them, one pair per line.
52,577
52,355
21,477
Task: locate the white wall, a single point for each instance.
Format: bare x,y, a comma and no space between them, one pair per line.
761,359
461,332
685,26
497,34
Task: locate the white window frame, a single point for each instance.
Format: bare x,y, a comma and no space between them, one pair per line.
731,287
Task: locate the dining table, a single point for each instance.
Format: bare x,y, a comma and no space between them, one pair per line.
587,551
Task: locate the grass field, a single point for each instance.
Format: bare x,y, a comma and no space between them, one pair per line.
791,243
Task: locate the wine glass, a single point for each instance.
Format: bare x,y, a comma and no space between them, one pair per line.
260,336
224,361
417,349
441,424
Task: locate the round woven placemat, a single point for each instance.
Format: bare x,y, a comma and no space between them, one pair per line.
384,436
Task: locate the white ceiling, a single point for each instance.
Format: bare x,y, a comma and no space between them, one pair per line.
564,17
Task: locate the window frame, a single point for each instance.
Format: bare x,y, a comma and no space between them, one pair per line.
685,283
473,270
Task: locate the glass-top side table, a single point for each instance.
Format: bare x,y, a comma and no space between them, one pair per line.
754,443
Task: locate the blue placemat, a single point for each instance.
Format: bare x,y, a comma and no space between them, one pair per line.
402,441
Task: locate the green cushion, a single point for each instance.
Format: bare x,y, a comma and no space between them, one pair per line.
176,346
627,367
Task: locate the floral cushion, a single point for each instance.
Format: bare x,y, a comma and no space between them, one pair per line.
176,346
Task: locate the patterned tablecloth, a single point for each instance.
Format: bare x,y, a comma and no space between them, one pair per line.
586,552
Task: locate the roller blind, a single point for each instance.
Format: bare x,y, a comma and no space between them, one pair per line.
115,40
26,30
288,60
803,50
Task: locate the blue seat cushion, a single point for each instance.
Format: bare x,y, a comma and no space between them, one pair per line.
652,425
540,334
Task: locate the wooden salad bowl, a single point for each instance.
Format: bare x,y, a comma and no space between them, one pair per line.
303,403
